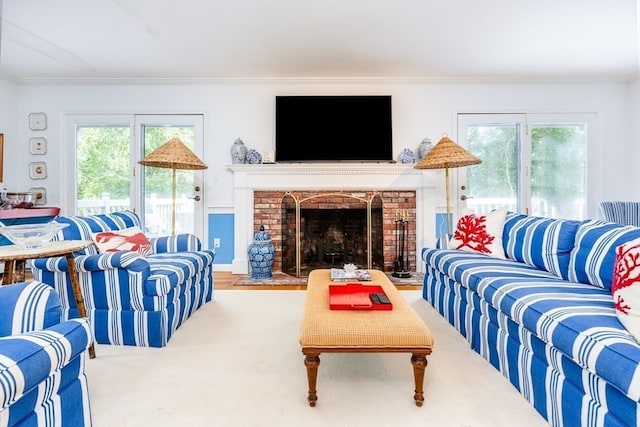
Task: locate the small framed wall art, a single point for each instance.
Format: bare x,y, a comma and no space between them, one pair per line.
37,170
37,121
41,195
38,145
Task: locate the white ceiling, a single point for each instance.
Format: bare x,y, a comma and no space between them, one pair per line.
79,40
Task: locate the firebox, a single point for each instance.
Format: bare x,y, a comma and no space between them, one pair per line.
314,230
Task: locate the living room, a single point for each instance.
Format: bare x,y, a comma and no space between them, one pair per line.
238,100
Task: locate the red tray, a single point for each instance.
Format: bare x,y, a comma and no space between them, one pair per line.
355,296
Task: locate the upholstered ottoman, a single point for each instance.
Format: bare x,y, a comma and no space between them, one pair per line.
399,330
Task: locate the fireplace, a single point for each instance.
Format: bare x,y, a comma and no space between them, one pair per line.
313,230
258,192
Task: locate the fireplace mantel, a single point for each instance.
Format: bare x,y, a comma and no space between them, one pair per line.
327,176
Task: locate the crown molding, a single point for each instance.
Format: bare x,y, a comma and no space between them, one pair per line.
399,80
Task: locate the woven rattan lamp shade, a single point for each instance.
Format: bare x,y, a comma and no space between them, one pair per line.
447,154
173,154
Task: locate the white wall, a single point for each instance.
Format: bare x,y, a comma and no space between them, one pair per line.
634,138
246,110
8,122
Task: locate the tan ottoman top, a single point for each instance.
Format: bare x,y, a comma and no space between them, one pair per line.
322,327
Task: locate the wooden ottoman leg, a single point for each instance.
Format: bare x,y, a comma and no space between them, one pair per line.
312,361
419,362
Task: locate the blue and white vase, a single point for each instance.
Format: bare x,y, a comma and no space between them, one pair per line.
424,148
261,253
238,152
407,156
254,157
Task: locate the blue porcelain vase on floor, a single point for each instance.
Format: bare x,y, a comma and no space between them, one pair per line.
261,255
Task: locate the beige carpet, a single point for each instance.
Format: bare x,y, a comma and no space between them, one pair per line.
280,278
237,362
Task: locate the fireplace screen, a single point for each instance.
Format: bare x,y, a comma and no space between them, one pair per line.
329,230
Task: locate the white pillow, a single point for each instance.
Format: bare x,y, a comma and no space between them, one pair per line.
129,239
480,233
625,288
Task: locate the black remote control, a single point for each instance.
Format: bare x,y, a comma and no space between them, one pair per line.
379,298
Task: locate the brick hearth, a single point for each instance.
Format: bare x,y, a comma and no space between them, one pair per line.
268,207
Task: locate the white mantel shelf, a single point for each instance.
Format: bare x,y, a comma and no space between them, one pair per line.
327,176
314,176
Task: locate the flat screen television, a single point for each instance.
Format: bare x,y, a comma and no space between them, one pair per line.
333,129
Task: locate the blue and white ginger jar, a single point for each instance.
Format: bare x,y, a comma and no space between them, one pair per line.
254,157
424,148
261,253
238,152
407,156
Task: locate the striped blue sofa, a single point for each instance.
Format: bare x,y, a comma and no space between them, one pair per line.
131,299
544,316
42,360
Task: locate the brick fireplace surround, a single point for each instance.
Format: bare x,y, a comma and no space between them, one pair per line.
267,209
258,191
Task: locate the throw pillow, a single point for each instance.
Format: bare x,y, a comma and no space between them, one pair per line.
130,239
480,233
625,287
544,243
593,256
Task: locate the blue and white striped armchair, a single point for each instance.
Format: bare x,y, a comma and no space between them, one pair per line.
42,360
625,213
131,299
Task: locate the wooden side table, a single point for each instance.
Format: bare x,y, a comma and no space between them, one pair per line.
14,258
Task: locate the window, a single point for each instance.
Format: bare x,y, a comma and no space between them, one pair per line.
535,164
106,176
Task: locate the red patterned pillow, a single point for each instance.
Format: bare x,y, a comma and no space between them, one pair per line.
625,287
129,239
480,233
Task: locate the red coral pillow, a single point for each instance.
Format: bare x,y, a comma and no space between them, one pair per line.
480,233
625,287
129,239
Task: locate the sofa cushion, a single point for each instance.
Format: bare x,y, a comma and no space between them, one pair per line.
469,268
625,288
594,254
480,233
540,242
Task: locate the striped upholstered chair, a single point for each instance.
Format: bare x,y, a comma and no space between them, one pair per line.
131,299
625,213
42,360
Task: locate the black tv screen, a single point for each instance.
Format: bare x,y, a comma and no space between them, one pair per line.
333,128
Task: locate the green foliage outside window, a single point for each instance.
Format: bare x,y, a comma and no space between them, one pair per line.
104,161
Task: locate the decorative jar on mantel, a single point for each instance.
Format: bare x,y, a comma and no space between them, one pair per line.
238,152
424,148
261,253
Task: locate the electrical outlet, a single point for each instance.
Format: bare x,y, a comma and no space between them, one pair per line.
216,242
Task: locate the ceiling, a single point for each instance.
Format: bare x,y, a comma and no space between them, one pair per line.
92,40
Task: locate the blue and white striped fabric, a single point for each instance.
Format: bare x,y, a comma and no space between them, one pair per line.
132,299
544,243
558,342
594,255
625,213
42,360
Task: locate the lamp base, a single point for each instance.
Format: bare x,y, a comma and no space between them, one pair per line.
401,274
